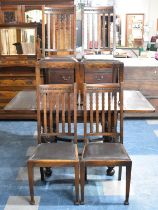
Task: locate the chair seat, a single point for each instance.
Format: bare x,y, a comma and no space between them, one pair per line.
105,151
55,151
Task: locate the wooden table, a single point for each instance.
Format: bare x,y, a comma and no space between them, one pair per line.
25,101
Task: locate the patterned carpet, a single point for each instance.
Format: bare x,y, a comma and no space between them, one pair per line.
17,141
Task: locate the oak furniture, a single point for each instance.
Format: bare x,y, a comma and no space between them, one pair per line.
58,30
25,101
19,51
54,105
103,106
97,29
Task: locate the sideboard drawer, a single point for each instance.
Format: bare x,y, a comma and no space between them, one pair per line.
60,76
93,77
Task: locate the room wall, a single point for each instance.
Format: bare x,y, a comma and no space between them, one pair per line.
148,7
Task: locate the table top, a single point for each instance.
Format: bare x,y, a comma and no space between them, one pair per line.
134,101
128,62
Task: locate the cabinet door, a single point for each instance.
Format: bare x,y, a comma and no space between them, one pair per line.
12,14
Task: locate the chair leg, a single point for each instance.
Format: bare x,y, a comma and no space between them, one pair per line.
128,180
82,180
31,182
42,173
86,174
77,184
120,173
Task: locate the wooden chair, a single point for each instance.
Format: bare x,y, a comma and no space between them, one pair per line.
96,29
58,30
55,104
101,103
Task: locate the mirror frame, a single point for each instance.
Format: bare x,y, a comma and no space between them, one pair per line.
21,26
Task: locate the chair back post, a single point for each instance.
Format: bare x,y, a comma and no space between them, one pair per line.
121,112
38,115
75,113
85,112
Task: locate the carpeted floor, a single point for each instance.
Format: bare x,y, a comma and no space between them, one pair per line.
17,141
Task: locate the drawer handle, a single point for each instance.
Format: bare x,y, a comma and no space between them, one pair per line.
66,78
98,78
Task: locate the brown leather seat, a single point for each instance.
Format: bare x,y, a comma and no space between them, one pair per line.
105,108
55,151
105,151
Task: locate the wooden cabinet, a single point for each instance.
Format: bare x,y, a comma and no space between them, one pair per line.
18,56
57,70
14,77
96,71
145,79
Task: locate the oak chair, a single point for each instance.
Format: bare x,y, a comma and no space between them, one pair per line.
58,30
57,117
102,103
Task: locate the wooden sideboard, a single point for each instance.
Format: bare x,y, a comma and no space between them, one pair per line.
21,75
142,74
15,75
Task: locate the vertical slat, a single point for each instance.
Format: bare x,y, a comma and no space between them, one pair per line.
103,113
93,31
70,37
74,30
48,32
88,31
59,21
69,113
45,111
98,31
83,28
115,112
103,32
53,32
109,112
57,113
109,30
63,112
91,112
97,113
51,112
43,32
65,34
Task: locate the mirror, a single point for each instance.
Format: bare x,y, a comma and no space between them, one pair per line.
134,30
17,41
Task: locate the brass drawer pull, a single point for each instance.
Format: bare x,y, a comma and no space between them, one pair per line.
66,78
98,78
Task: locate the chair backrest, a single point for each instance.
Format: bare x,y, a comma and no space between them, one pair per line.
102,103
106,71
57,111
59,33
96,28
